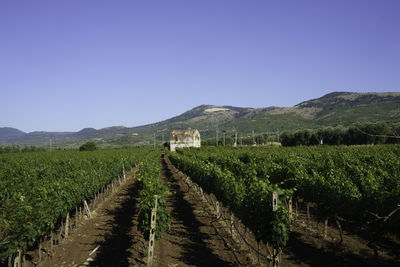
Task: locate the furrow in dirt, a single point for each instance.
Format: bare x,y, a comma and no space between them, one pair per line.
110,236
194,238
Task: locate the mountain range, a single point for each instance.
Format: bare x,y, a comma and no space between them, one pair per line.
338,108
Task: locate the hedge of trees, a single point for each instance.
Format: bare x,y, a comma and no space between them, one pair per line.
357,134
360,134
18,149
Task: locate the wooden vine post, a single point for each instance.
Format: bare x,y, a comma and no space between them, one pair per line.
86,208
274,201
123,171
60,232
152,232
202,194
51,241
232,223
325,235
66,233
18,260
40,251
76,217
275,251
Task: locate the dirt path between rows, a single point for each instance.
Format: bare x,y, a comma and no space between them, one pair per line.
196,237
111,238
112,230
193,239
305,247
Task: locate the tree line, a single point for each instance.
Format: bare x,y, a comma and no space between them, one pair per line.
18,149
357,134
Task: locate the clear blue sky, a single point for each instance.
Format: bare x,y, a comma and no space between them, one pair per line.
66,65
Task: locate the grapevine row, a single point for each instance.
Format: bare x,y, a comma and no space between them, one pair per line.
148,176
38,189
350,182
251,201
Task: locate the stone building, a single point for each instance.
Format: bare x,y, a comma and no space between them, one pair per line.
184,138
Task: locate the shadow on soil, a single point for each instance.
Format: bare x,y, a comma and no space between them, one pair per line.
114,250
306,253
196,252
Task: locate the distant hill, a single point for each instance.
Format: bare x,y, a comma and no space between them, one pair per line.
332,109
7,132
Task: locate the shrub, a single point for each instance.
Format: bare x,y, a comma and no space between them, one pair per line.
88,146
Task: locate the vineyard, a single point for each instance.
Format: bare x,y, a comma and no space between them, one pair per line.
344,187
357,185
37,190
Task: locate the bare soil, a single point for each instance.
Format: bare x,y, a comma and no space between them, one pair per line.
195,238
306,246
112,239
109,238
198,238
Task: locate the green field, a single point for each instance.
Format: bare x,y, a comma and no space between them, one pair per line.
357,185
347,184
38,189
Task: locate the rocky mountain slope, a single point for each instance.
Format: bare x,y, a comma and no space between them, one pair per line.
332,109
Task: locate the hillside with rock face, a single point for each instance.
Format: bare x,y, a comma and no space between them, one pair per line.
336,108
332,109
